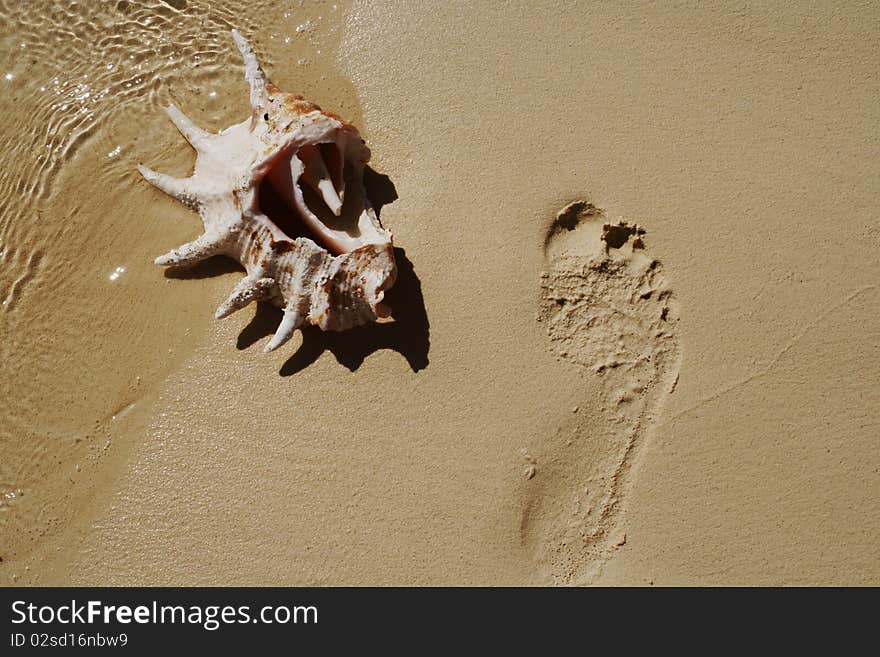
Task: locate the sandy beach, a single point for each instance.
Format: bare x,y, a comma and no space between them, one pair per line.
635,328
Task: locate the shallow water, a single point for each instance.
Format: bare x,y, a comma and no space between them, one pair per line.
83,338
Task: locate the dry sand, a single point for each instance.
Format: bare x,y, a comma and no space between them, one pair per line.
696,403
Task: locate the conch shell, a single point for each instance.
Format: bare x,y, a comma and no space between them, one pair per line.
314,161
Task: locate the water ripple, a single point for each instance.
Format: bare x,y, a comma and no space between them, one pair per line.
81,332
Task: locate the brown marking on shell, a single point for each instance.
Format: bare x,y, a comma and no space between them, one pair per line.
282,246
254,247
296,104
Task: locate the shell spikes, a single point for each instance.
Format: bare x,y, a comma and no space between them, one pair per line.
335,276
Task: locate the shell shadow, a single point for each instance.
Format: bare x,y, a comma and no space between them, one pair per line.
213,266
408,334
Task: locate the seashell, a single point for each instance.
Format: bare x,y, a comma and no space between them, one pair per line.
314,162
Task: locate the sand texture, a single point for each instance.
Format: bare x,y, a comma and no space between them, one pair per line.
636,323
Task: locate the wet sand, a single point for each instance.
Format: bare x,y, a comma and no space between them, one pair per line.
555,402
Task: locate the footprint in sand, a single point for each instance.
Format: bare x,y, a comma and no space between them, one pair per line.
607,309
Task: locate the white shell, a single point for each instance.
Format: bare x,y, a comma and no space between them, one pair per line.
314,162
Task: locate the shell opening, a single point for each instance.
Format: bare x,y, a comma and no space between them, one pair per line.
322,183
311,183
